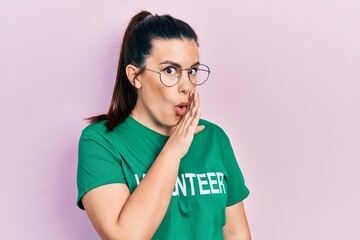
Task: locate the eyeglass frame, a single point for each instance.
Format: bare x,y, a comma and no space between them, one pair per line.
180,75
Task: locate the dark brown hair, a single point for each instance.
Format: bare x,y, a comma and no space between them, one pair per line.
136,47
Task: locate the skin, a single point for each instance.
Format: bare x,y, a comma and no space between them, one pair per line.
117,214
155,107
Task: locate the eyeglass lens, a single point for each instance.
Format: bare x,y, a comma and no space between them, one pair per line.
197,76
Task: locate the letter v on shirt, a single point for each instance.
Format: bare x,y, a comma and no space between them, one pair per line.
196,184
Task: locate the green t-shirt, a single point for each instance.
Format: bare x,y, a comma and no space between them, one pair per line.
208,181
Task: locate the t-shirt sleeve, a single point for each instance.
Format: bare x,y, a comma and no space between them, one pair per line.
98,164
236,188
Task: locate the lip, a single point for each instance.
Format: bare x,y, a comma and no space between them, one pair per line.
183,104
182,108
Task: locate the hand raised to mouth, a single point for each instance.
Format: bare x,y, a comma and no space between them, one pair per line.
185,130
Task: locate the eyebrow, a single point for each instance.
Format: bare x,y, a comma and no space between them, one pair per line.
176,64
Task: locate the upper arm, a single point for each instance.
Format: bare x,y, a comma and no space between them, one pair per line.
236,226
100,180
98,164
236,187
103,206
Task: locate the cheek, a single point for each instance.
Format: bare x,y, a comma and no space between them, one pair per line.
155,94
150,88
164,98
158,95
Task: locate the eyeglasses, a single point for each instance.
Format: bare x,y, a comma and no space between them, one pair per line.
171,75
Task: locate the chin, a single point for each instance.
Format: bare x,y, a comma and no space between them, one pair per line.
175,121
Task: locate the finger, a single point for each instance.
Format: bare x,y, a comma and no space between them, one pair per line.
192,97
192,102
184,122
198,99
199,129
190,112
196,102
193,111
193,123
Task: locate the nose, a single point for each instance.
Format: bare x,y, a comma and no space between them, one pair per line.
184,85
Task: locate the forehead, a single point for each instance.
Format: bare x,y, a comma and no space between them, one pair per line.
182,51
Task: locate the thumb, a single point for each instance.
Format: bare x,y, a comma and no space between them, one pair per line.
199,129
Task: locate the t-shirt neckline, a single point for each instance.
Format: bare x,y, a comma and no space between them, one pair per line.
133,123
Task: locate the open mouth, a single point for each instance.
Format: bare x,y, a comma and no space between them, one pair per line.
182,108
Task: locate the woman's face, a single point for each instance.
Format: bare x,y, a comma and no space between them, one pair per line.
159,107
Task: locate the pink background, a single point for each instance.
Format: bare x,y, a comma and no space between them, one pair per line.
285,86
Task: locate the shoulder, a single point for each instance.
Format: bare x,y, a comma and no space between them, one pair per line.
98,132
94,130
212,128
96,138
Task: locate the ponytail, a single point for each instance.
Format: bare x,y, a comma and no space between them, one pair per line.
124,94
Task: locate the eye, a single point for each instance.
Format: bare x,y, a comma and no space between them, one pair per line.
193,71
170,71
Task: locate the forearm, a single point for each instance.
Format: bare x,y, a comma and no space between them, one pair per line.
236,227
242,236
147,205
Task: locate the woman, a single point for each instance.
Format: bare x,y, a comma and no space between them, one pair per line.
151,168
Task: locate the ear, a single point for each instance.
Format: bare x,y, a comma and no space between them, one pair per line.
131,72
